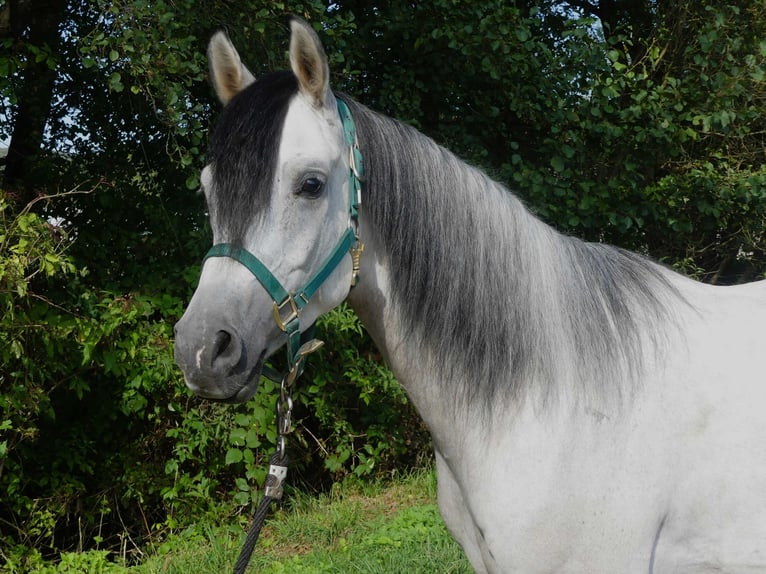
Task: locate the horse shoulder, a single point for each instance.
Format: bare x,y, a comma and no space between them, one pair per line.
717,379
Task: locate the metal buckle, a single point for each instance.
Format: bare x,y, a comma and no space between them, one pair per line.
279,473
295,313
356,260
299,360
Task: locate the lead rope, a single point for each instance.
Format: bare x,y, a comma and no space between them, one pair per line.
274,483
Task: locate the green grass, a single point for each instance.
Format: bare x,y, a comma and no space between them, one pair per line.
391,527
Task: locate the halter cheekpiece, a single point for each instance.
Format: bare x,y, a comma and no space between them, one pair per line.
287,306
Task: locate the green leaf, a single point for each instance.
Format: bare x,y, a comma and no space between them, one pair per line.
557,163
242,420
242,498
568,151
233,456
115,82
192,182
252,440
237,436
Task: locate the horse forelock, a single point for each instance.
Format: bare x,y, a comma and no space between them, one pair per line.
243,152
504,304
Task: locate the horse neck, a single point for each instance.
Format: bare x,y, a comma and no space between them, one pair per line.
496,304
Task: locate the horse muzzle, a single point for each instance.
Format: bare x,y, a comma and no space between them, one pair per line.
216,361
226,333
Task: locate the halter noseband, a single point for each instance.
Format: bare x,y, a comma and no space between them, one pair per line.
287,307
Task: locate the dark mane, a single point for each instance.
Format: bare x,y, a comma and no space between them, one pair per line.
243,152
498,297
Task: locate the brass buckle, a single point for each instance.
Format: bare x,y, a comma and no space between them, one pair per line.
356,260
305,350
293,315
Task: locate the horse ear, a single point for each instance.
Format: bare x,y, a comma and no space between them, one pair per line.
309,63
227,72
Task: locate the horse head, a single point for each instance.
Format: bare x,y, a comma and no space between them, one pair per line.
282,214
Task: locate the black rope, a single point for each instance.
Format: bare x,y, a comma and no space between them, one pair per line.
259,516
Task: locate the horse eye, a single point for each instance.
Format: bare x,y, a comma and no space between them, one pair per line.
311,187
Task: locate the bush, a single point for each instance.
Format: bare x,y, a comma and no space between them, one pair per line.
84,374
103,447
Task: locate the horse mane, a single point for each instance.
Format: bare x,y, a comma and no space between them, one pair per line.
504,304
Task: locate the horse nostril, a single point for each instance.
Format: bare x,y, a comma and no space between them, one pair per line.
221,345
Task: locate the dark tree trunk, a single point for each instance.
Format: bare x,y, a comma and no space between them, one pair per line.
31,23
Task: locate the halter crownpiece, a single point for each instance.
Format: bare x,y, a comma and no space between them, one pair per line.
287,306
355,178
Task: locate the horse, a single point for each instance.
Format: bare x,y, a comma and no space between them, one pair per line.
591,410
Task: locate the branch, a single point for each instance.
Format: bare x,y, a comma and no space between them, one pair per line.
77,190
55,306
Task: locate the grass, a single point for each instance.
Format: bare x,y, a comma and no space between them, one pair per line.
357,528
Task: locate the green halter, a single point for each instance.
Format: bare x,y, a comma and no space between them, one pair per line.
287,306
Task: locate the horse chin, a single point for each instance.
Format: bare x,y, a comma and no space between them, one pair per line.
249,383
250,386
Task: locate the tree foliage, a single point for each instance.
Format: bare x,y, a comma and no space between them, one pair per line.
639,124
636,123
